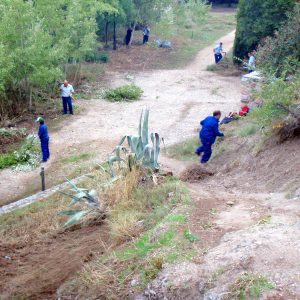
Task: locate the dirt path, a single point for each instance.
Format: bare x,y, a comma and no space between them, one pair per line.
177,100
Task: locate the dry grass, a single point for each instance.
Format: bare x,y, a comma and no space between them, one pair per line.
33,222
124,225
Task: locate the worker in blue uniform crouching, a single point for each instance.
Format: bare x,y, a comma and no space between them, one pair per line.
208,135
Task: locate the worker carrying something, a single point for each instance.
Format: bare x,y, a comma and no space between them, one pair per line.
208,134
44,137
66,91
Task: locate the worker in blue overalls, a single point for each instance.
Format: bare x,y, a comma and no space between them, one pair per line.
44,137
208,135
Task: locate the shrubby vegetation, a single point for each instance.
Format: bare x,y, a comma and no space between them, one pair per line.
257,19
40,38
26,158
279,56
279,59
128,92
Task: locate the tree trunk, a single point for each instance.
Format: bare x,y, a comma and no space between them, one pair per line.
106,33
115,37
30,98
132,33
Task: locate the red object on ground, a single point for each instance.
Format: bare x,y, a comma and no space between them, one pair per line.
244,111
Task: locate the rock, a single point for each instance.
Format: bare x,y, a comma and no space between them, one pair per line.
134,282
297,193
230,203
211,296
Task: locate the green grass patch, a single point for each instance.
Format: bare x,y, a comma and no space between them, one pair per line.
7,160
184,150
247,129
178,218
250,285
190,236
80,157
129,92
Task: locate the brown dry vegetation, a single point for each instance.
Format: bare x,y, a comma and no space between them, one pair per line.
33,239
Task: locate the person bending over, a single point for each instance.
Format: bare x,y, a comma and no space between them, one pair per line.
208,135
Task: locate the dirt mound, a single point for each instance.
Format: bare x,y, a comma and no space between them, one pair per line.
195,173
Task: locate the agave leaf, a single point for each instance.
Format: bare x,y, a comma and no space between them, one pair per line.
81,195
145,137
146,156
92,197
122,140
157,150
74,198
73,185
76,217
69,212
113,159
140,124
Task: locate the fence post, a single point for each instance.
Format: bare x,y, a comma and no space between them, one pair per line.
43,178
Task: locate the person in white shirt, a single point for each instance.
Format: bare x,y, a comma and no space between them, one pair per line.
66,91
218,50
251,62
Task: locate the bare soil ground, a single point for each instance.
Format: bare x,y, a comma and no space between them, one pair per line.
177,99
35,271
247,218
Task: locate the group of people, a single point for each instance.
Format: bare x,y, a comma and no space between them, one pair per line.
250,62
210,125
208,134
146,35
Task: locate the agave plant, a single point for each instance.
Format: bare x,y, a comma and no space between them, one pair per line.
84,196
143,151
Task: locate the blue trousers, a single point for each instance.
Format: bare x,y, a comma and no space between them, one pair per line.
45,149
67,103
218,57
206,149
145,39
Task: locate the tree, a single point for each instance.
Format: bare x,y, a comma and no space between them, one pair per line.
257,19
279,56
37,39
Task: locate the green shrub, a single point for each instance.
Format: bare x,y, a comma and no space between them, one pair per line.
25,158
128,92
279,56
247,129
7,160
97,56
280,98
257,19
11,132
250,285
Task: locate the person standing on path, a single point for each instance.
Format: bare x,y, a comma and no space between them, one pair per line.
218,52
66,91
44,138
251,62
146,33
208,135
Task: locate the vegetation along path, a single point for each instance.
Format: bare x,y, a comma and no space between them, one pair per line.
177,100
